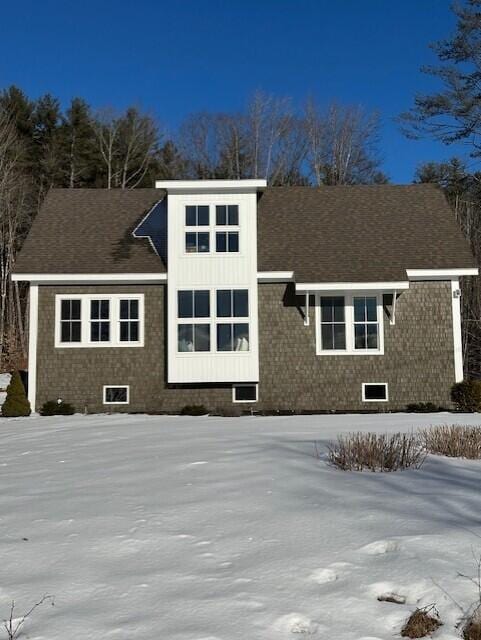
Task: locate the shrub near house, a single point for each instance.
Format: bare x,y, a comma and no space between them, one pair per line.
16,403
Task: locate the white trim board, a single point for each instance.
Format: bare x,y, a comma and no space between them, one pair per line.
90,278
351,286
440,274
32,346
198,186
275,276
457,337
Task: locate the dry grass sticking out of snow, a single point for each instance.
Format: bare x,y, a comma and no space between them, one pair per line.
377,452
193,528
456,441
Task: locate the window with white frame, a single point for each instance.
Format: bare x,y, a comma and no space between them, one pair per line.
350,323
99,321
193,321
197,234
374,392
244,393
232,319
70,320
116,394
227,228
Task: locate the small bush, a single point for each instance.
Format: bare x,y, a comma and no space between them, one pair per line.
424,407
472,628
421,623
54,408
466,395
455,441
194,410
376,452
16,403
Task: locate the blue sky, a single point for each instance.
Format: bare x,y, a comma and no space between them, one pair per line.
173,58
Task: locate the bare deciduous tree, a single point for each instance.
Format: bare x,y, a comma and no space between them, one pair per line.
13,220
342,144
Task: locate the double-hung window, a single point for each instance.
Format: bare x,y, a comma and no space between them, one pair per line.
366,326
100,320
70,321
349,324
129,320
197,234
227,228
232,319
333,323
193,321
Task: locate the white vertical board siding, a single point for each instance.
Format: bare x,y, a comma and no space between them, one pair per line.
210,271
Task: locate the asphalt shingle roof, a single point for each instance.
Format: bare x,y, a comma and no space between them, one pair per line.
327,234
358,233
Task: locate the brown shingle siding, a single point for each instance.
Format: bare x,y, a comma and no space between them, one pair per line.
418,363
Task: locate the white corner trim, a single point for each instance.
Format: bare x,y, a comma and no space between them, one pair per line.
382,384
90,278
275,276
32,345
457,337
351,286
198,186
440,274
149,238
115,386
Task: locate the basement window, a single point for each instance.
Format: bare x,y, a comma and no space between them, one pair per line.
116,395
244,393
374,392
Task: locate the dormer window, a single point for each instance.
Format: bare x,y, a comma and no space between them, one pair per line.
197,240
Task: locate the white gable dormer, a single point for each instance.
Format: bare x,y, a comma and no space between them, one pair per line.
212,280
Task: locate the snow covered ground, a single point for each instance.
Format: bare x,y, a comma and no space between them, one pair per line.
184,528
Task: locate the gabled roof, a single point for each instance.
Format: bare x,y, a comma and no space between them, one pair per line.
326,234
90,231
358,233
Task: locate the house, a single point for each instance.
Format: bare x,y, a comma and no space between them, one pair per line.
224,292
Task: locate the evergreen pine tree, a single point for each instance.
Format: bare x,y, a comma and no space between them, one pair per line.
16,403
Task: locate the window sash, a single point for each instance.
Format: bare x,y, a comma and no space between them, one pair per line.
70,320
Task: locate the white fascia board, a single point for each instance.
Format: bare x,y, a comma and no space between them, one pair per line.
90,278
275,276
351,286
440,274
197,186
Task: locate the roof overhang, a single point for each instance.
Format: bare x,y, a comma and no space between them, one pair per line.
351,286
275,276
440,274
210,186
90,278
